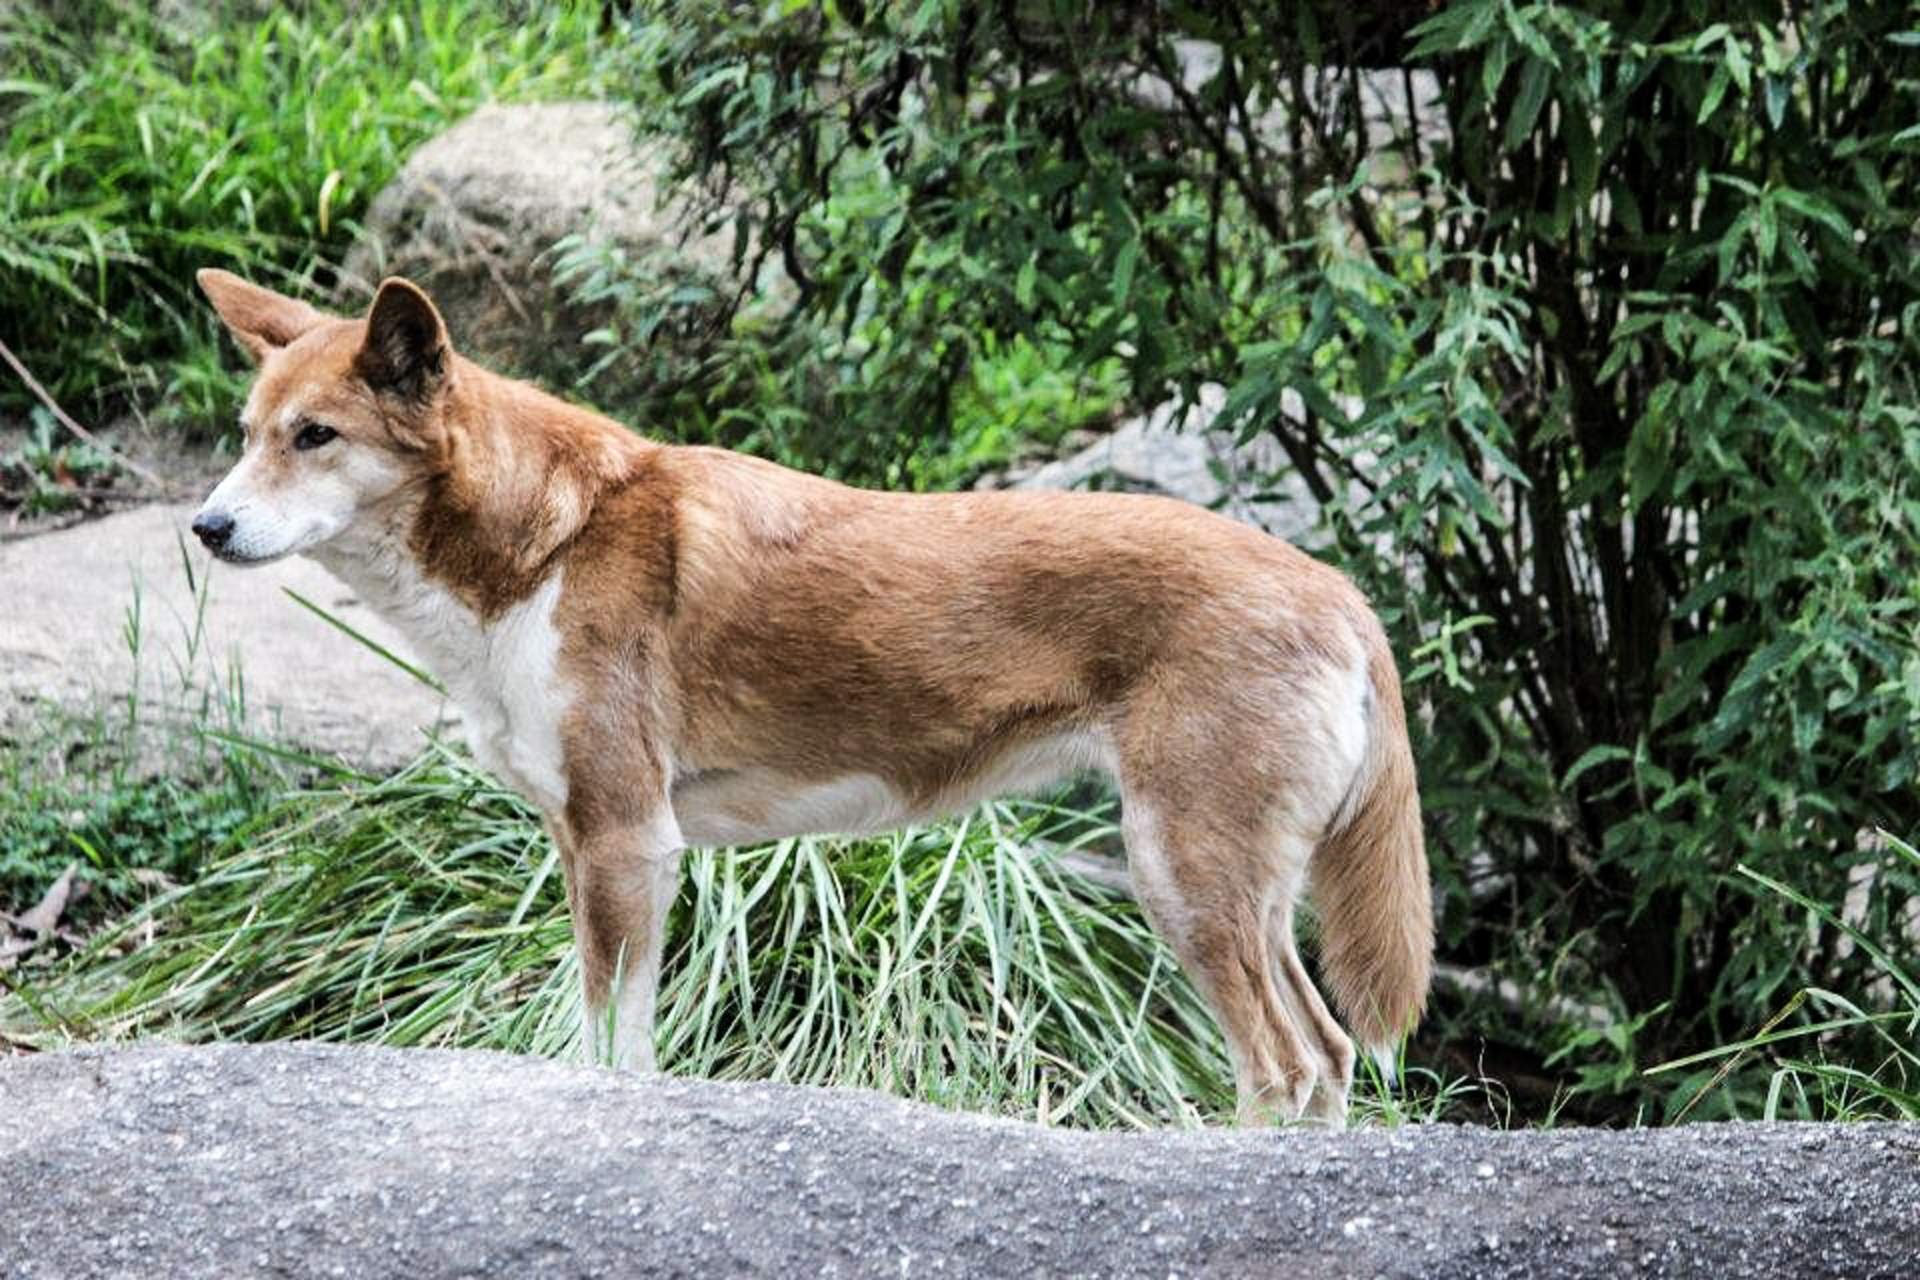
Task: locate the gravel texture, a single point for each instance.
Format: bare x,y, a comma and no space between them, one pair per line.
308,1160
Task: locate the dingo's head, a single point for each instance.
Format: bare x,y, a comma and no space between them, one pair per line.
340,417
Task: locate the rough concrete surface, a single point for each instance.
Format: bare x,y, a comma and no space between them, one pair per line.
308,1160
67,598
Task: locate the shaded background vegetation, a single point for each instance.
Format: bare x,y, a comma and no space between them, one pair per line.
143,141
1591,328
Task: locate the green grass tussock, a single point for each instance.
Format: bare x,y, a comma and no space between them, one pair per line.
1826,1055
969,964
960,964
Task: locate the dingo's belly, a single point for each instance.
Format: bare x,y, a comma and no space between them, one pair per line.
745,806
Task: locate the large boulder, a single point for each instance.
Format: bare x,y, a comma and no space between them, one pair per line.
1175,452
476,214
310,1160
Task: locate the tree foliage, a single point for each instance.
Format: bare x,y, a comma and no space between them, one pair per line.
1592,327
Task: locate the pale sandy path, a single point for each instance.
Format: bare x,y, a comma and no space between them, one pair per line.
65,603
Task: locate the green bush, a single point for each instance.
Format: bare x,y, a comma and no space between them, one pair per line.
134,149
810,391
1602,365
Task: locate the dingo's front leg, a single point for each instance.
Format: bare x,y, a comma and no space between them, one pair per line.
621,879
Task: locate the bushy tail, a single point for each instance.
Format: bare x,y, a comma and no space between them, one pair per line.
1369,882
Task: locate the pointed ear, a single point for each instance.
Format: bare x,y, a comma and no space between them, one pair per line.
260,320
406,350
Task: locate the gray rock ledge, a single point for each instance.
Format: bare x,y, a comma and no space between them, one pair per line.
308,1160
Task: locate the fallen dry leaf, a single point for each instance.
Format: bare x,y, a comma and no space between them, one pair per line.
45,914
41,921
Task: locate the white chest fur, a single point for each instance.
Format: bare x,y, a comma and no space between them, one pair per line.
502,674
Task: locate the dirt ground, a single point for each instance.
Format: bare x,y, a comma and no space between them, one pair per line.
85,608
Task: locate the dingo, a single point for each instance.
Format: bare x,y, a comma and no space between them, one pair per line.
663,645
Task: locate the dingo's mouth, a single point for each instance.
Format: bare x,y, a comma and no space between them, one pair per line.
247,560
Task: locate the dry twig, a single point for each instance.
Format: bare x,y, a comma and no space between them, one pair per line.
79,432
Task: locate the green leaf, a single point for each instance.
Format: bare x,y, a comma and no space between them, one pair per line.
1776,96
1706,39
1535,80
1454,29
1716,90
1808,205
1123,265
1646,461
1737,63
1494,68
1592,757
1766,231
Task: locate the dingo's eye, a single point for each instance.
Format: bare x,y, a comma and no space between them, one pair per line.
313,435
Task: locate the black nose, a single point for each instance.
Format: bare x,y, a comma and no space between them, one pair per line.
213,530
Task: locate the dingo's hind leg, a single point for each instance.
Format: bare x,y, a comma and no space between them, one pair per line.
1214,894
